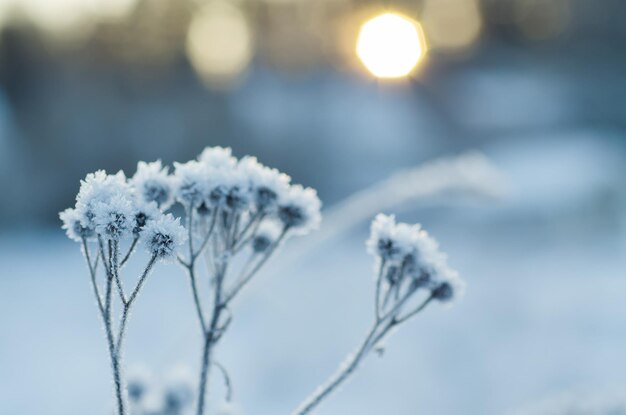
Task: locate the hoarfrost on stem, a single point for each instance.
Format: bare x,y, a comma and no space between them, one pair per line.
234,208
411,273
108,211
237,213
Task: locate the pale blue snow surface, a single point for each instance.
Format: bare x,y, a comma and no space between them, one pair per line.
540,316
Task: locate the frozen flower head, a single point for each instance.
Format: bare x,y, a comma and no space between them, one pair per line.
164,235
267,234
190,183
97,188
144,213
216,189
299,209
408,250
266,185
73,225
226,188
238,193
390,241
446,284
115,217
153,184
217,158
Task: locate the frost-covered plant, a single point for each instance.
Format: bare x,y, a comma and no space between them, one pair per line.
411,273
236,212
111,215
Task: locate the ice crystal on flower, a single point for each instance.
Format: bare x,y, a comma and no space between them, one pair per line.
164,235
391,241
114,217
447,284
190,183
226,188
73,225
299,209
144,213
99,187
409,250
217,157
267,185
238,193
153,184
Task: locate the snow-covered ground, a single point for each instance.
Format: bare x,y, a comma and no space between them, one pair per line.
544,312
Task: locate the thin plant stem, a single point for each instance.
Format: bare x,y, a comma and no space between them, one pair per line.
196,297
206,237
254,218
232,236
402,319
130,251
246,279
337,379
379,330
212,332
110,245
106,312
116,366
105,260
116,271
210,340
227,382
396,321
115,358
189,230
379,281
243,238
204,373
129,303
92,273
393,312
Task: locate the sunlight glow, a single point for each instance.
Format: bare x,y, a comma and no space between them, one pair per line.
390,45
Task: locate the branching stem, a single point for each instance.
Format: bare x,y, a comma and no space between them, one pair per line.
379,330
129,303
111,264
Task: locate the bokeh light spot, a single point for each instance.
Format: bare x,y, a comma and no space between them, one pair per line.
451,24
390,45
219,43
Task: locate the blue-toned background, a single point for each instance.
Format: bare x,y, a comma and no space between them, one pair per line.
536,85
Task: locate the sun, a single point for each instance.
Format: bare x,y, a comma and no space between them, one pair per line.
390,45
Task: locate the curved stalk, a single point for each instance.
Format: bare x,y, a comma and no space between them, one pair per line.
379,330
338,378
